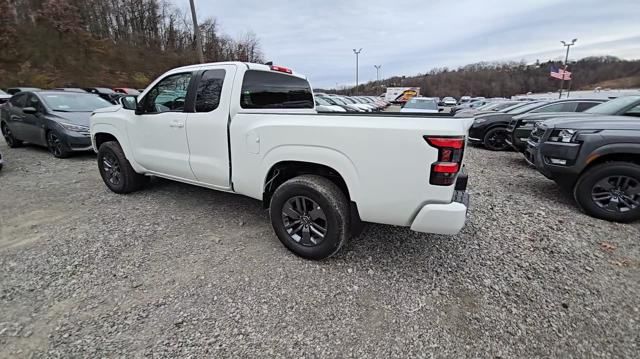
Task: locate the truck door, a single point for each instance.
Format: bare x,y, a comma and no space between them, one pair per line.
207,126
158,135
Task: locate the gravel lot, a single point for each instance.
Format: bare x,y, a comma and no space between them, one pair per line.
177,270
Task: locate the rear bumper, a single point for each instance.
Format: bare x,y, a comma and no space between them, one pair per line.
443,218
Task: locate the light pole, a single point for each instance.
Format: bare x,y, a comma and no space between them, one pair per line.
196,32
566,59
377,72
357,54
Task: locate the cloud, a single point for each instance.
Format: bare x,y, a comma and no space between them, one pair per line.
317,37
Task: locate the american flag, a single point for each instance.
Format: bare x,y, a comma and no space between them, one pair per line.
558,73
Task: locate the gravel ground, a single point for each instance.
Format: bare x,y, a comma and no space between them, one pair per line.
177,270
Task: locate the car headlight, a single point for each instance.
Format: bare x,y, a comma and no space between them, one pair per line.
72,127
479,120
562,135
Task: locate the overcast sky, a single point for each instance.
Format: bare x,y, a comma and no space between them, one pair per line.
316,38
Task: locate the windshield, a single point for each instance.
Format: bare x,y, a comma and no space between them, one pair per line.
105,90
321,101
3,93
74,102
422,104
613,106
337,100
526,108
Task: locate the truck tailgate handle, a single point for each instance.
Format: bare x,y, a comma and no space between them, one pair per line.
177,124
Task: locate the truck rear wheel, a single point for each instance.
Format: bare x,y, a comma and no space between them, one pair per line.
310,215
610,191
116,171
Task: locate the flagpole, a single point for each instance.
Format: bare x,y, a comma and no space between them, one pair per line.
566,60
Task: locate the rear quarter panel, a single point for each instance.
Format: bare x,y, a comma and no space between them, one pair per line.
384,161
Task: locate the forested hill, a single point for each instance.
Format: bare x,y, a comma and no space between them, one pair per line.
49,43
507,79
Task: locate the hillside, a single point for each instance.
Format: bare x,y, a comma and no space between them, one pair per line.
507,79
51,43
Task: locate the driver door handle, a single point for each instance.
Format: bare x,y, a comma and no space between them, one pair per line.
176,124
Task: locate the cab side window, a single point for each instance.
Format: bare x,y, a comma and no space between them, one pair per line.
209,90
168,95
18,100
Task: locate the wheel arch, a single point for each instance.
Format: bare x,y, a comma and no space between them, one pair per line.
101,133
624,152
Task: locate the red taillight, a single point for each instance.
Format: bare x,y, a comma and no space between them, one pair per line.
281,69
446,167
448,142
450,151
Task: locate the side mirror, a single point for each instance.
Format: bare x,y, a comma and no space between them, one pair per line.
29,110
128,102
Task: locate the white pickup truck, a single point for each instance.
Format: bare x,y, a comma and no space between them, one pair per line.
252,129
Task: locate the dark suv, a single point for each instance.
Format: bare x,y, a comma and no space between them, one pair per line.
598,159
491,129
522,125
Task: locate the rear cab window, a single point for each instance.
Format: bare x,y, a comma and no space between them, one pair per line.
273,90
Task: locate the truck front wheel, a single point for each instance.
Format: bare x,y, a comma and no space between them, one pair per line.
116,171
310,215
610,191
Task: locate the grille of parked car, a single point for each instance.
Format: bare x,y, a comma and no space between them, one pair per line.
538,132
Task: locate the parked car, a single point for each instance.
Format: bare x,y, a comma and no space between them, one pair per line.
449,102
58,120
486,108
4,97
126,91
335,102
509,107
521,126
323,106
420,105
465,99
106,94
597,158
490,130
14,90
252,129
342,102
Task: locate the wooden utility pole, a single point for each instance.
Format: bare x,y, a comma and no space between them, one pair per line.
196,32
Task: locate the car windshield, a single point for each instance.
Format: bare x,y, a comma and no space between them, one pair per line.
105,90
3,93
321,101
526,108
337,100
74,102
613,106
422,104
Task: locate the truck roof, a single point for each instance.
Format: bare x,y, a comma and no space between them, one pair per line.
249,66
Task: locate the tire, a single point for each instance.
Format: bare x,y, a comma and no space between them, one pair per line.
56,146
9,138
494,139
299,194
116,171
601,193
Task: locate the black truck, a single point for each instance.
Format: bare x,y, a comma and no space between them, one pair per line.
597,158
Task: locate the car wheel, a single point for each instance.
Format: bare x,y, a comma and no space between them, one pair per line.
9,138
610,191
310,216
116,171
495,139
56,147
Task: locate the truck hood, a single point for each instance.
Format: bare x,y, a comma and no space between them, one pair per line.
595,123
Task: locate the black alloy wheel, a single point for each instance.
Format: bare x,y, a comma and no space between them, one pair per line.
618,194
496,139
111,169
8,137
55,145
304,220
